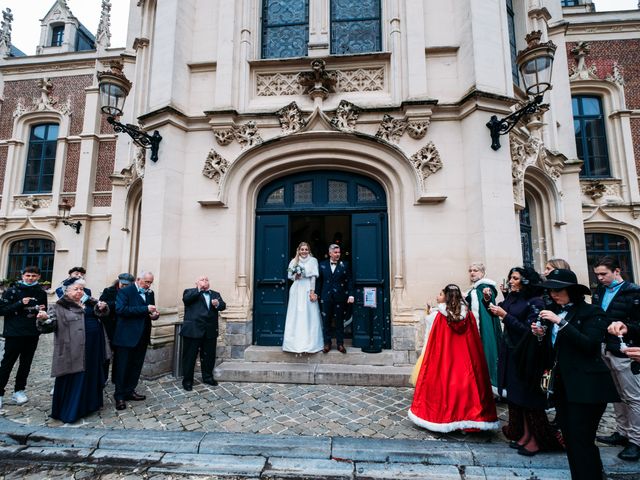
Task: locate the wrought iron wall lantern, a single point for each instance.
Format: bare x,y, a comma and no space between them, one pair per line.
114,88
64,209
535,64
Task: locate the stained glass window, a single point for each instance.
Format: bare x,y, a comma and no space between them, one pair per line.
366,194
41,159
338,192
276,197
302,192
355,26
285,28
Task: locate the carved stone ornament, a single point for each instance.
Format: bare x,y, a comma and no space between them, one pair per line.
417,130
5,32
616,75
273,84
46,102
290,118
319,81
426,161
31,203
391,129
224,136
581,71
247,135
346,116
215,167
135,169
528,152
103,35
609,191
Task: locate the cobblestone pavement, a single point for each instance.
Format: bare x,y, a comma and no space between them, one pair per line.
347,411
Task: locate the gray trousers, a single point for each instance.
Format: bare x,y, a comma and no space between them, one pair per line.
628,385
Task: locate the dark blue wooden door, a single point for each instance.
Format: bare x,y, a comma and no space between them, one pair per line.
370,270
270,299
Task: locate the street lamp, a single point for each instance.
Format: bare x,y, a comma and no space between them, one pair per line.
114,88
535,64
63,211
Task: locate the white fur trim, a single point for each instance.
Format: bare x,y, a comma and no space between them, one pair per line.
450,427
442,308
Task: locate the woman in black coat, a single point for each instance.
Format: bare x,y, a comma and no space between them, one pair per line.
528,429
582,383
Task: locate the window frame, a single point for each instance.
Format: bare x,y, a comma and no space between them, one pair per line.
41,254
587,167
42,159
57,33
513,44
594,254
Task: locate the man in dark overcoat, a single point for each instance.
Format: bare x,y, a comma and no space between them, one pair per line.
200,331
334,288
135,309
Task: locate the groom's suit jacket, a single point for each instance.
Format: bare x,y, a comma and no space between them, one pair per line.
200,321
334,286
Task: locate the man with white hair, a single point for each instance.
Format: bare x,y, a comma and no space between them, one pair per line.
135,309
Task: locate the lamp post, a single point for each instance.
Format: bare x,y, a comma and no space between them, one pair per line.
114,88
535,64
63,212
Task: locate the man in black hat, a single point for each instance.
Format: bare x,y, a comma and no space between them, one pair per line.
621,301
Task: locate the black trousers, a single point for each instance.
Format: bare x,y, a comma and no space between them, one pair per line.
191,347
336,311
23,348
579,423
127,365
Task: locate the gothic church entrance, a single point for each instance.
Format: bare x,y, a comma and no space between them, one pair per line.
321,208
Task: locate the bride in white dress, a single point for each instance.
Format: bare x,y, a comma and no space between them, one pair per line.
303,327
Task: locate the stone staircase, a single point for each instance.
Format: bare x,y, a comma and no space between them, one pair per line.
272,365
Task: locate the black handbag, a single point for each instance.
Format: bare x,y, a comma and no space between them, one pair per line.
46,325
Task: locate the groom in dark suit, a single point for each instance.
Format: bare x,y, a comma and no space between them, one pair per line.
135,308
334,288
200,331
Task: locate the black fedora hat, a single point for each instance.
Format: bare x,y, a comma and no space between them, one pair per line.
562,278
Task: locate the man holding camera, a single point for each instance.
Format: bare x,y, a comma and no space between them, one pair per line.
20,306
621,301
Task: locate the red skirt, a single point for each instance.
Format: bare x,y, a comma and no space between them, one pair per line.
453,391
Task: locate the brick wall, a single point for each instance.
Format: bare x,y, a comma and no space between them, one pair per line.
104,168
626,53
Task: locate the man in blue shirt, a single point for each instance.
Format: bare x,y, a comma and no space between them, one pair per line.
621,301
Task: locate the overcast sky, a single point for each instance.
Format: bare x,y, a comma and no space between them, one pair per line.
27,13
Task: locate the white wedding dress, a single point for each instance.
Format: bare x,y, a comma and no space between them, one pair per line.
303,327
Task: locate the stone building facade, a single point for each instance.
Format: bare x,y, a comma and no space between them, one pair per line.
281,124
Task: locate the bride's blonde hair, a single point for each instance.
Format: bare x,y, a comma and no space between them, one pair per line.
302,244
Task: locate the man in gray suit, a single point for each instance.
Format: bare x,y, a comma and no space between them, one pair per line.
200,331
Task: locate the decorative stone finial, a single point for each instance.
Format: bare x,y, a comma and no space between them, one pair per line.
5,32
103,35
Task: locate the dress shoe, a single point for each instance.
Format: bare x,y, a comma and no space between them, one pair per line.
527,453
341,349
631,453
326,348
613,439
187,386
120,405
514,444
135,396
210,381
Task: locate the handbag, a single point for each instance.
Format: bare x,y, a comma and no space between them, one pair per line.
548,379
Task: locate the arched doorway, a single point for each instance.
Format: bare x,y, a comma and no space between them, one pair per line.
321,208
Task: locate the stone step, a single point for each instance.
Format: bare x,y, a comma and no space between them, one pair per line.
313,373
354,356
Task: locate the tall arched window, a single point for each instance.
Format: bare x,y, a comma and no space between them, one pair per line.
591,136
33,251
617,246
41,158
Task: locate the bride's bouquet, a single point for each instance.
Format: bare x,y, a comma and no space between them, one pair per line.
296,270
